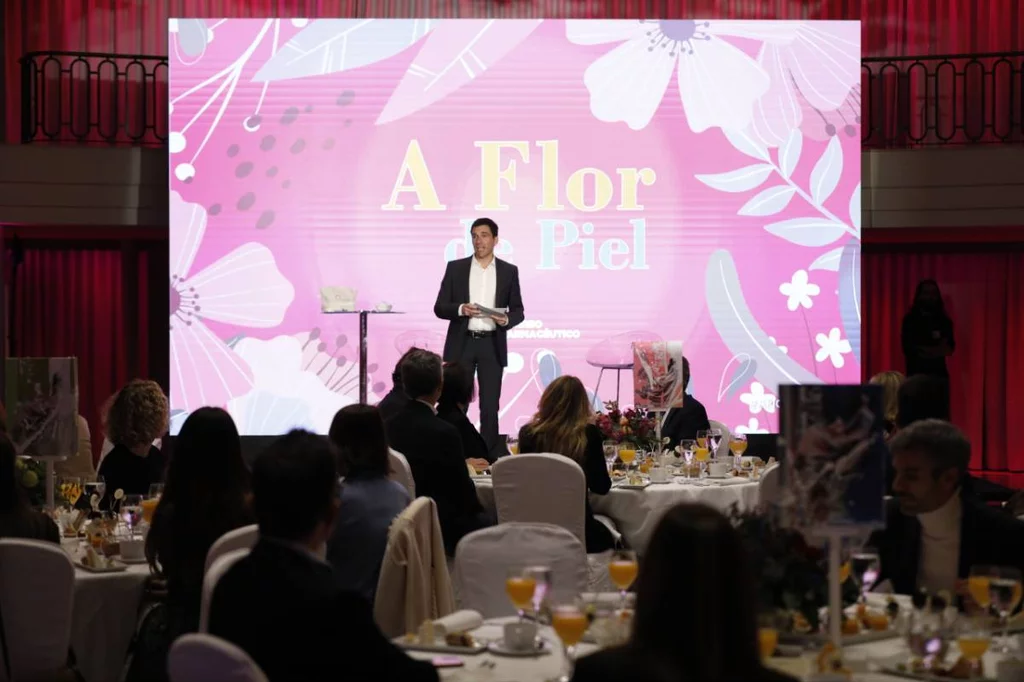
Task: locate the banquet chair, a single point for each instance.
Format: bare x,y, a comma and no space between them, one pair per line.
239,538
483,558
37,587
723,446
414,583
402,472
213,574
205,658
547,488
769,490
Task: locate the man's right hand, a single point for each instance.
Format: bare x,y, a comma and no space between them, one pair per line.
470,310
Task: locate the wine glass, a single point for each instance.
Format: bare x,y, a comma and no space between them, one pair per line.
622,569
520,588
1005,593
131,511
702,454
627,454
973,639
569,621
714,440
738,445
542,578
687,447
978,586
866,566
610,448
156,490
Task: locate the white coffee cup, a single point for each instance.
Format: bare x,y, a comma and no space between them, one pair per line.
659,474
383,307
133,549
719,468
520,636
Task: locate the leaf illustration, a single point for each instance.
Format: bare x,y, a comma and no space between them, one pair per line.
769,201
807,231
743,369
827,171
455,54
192,37
828,260
745,143
855,208
233,341
849,294
548,367
327,46
739,330
739,180
789,153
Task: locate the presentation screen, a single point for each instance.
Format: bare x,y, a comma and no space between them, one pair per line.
685,181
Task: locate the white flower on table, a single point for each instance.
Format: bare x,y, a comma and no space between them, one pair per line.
718,83
758,399
751,426
778,345
832,347
799,291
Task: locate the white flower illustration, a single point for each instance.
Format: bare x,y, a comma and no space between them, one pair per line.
778,345
758,399
832,347
751,427
718,83
799,291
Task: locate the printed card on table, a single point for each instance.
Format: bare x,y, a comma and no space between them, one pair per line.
42,406
835,455
658,374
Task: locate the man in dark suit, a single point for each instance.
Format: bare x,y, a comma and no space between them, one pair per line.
433,448
934,532
281,603
683,423
395,400
475,339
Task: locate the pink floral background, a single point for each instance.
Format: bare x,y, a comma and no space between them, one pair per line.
288,136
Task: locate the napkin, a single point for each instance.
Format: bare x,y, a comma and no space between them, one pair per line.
732,480
460,621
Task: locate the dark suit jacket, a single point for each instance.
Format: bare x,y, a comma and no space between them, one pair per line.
473,444
392,403
599,538
626,663
455,291
987,536
435,455
683,423
28,524
285,610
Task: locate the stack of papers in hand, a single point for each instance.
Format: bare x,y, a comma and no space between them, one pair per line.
488,311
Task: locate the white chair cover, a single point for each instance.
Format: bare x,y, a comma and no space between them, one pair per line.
769,490
483,558
541,488
723,446
37,587
239,538
213,574
205,658
402,472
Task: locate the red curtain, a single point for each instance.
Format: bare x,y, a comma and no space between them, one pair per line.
91,301
983,289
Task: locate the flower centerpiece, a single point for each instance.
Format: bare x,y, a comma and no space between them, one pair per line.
31,474
634,426
793,573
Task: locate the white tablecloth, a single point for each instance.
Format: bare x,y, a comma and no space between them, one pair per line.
103,620
637,512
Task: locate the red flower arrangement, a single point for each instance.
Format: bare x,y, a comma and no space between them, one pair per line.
635,426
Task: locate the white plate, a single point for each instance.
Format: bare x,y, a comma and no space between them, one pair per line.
439,647
630,486
140,560
117,567
661,482
498,647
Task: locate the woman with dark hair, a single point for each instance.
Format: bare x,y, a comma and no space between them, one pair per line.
17,518
706,631
927,333
369,500
456,395
563,425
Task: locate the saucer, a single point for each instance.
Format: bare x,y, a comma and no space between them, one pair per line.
498,647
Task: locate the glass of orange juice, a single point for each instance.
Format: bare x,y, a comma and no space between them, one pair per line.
702,454
148,507
627,455
622,569
520,586
978,585
973,639
569,621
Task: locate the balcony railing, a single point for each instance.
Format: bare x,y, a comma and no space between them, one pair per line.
93,98
73,97
943,100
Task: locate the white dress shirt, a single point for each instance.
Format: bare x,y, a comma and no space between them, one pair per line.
483,282
940,546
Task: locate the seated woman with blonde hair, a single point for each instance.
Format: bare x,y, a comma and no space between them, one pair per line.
890,382
564,425
137,416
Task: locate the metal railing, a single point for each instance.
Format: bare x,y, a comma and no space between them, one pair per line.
79,97
94,98
942,100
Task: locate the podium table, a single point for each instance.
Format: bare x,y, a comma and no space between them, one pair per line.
363,324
